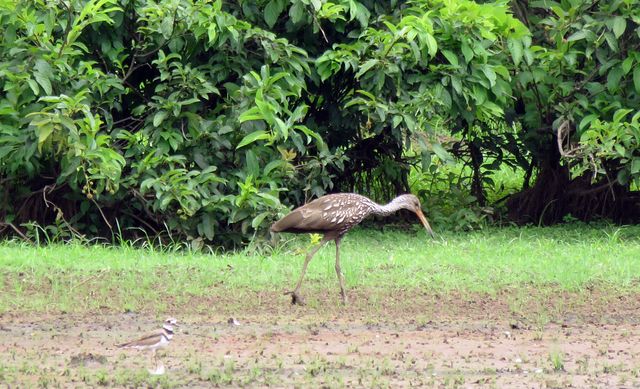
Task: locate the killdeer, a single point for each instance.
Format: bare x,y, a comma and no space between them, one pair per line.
154,341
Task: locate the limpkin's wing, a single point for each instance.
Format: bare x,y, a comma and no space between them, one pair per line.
327,213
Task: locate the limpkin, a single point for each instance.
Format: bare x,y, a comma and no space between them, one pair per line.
334,215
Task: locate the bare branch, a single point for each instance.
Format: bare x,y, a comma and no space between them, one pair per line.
102,213
17,230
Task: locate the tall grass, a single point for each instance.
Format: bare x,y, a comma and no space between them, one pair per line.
567,258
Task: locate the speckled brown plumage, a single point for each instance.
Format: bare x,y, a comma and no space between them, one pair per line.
334,215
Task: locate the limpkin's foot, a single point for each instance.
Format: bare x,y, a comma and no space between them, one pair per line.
296,299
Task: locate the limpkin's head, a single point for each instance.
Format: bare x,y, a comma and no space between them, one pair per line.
411,202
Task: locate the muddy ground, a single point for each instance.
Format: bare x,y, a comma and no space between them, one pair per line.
405,340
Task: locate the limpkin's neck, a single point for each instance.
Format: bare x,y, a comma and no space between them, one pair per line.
394,206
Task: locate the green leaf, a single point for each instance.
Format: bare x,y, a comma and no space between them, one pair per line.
257,221
456,84
451,57
578,35
441,152
212,32
272,11
159,117
270,200
166,27
253,165
282,127
317,4
34,86
636,78
366,66
397,119
620,114
467,52
206,226
489,73
635,166
253,137
515,48
362,13
252,113
586,121
44,82
297,12
410,122
627,64
275,164
425,160
623,176
44,132
43,68
432,45
619,25
613,78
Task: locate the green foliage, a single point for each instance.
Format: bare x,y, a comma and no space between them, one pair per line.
583,70
412,74
202,120
616,142
197,117
175,116
443,190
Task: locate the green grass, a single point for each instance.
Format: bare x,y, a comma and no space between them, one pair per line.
76,277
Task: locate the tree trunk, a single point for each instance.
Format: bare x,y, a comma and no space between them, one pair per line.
555,196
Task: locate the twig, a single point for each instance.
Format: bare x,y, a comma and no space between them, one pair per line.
140,197
67,29
17,230
60,214
141,220
103,216
49,188
315,19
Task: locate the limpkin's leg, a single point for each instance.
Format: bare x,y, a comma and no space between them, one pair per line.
339,273
295,298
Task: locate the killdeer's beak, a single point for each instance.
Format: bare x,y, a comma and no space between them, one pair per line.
424,222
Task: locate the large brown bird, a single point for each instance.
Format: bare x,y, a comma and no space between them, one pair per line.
334,215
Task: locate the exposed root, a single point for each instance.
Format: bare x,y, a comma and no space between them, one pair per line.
555,195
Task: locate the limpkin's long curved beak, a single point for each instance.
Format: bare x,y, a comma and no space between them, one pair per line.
425,223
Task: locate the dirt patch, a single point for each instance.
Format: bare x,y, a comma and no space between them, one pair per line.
87,360
409,339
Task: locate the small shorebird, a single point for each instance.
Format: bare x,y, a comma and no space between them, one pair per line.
153,341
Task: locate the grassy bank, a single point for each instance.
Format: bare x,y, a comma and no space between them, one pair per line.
81,278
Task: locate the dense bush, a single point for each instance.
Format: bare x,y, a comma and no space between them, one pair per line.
200,117
204,119
578,92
